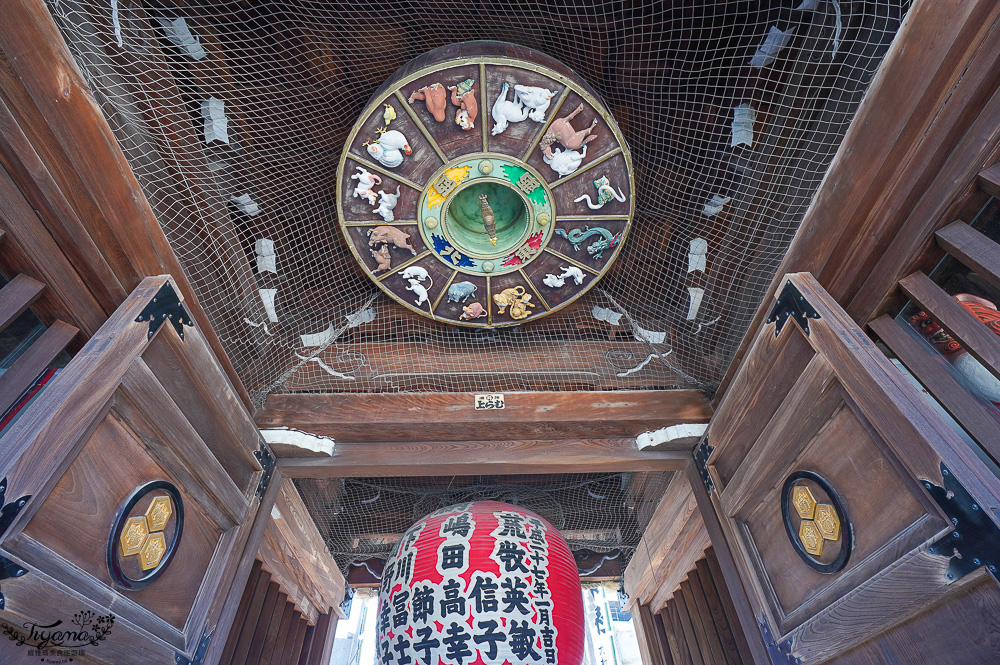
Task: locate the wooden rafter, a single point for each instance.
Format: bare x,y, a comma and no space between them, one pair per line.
453,417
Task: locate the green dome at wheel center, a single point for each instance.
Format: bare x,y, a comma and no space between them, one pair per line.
464,219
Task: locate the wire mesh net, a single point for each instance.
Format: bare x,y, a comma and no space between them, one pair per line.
732,111
362,519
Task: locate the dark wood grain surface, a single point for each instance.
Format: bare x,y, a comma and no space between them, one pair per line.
453,417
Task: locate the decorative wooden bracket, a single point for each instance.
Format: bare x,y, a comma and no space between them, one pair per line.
9,511
199,654
701,455
164,306
975,542
266,460
791,303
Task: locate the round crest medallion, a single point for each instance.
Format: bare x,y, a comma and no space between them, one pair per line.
816,522
485,185
145,534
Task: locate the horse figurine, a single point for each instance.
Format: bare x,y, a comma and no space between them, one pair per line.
561,131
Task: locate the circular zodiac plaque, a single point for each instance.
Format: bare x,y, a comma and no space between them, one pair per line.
485,185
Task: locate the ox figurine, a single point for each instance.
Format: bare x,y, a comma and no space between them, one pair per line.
461,291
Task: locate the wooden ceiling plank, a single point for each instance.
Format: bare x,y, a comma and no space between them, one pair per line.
17,296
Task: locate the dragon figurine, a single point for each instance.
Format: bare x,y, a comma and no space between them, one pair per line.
595,249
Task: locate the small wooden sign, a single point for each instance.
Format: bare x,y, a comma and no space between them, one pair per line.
484,402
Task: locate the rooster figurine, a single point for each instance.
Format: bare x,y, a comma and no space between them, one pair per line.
489,220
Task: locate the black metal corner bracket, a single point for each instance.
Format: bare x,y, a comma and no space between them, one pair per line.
975,542
165,306
8,512
701,455
199,654
780,653
791,303
266,460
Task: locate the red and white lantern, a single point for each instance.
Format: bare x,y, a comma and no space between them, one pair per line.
483,583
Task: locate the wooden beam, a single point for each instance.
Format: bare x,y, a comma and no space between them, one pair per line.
650,650
973,249
294,552
970,409
230,601
689,547
241,614
473,458
35,359
453,417
31,250
657,548
568,365
17,296
960,323
742,619
989,180
50,101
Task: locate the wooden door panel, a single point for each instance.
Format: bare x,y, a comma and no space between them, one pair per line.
144,407
817,405
881,506
74,522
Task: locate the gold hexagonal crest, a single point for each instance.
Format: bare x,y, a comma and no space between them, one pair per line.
804,502
133,536
152,551
158,513
812,539
827,522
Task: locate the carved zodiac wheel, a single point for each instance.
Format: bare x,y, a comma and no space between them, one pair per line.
485,205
